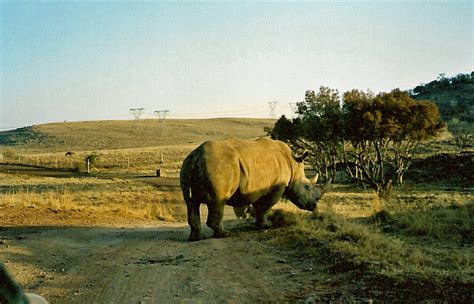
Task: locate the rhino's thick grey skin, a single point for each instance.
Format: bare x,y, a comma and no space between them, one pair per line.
242,173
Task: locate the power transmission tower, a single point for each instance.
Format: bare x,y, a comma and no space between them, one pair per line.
293,107
137,113
162,116
272,105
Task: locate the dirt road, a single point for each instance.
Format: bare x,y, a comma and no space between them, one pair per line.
108,260
151,265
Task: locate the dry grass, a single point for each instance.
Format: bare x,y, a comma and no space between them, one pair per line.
134,160
124,134
124,146
420,238
421,235
85,195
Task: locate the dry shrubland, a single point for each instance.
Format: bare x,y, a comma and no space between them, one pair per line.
419,240
87,195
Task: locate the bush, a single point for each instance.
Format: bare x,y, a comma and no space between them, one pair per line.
93,159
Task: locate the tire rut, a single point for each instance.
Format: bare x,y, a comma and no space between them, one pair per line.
153,265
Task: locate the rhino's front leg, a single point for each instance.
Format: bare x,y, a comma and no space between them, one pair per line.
214,219
265,203
194,220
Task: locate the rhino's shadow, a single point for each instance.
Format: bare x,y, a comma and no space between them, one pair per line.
237,226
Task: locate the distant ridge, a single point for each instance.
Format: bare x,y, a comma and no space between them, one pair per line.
121,134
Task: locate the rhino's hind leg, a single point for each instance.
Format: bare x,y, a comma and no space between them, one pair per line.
240,212
214,219
264,204
194,220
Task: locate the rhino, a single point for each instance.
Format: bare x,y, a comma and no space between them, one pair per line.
243,212
241,173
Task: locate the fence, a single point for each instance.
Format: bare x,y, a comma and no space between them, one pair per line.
139,161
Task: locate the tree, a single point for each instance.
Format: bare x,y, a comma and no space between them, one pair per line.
315,129
384,132
373,137
454,96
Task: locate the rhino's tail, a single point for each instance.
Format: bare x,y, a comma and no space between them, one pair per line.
186,175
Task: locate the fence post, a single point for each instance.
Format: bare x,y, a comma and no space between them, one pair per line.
88,166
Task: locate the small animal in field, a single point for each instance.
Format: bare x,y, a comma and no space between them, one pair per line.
11,292
69,154
243,173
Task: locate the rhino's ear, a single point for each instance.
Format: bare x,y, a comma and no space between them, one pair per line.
301,158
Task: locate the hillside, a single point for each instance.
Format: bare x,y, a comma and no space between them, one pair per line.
454,96
122,134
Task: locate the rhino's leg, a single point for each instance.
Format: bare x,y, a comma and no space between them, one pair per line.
265,203
240,212
214,219
194,220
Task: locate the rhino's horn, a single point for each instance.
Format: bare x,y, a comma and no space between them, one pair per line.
314,179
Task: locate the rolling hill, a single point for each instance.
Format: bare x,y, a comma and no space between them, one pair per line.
122,134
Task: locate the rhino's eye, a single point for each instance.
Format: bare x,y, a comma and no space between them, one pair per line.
306,187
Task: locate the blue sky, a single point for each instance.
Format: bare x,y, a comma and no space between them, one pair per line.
87,60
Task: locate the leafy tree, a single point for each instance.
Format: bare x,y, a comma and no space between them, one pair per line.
384,132
317,129
373,137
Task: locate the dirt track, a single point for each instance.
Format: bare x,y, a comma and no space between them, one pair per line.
151,265
152,262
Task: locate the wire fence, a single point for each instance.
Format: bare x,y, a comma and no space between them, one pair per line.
167,160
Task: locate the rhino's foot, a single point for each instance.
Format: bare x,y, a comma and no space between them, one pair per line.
193,237
221,234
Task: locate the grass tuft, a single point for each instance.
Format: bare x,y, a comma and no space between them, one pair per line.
362,245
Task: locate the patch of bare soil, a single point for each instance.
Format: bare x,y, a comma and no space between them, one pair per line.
36,171
70,256
153,264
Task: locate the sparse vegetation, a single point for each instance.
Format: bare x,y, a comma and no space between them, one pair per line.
374,138
407,245
454,98
89,195
419,242
127,134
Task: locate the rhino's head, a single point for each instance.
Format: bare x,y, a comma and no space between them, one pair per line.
305,193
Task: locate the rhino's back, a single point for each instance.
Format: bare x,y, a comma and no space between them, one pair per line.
250,168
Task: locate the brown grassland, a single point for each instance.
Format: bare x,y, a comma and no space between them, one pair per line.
418,246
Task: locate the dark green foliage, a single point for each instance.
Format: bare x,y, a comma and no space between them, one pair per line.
455,99
373,137
394,116
317,129
454,96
